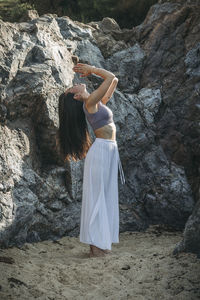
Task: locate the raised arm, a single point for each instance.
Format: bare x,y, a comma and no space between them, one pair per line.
97,94
110,91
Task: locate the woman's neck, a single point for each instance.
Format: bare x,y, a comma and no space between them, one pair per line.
85,97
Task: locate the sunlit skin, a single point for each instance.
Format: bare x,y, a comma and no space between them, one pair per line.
80,92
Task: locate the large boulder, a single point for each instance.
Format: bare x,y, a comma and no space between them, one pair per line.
191,234
154,104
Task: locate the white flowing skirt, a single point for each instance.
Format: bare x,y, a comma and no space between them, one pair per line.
99,224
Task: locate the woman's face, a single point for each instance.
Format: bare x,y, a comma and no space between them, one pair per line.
77,89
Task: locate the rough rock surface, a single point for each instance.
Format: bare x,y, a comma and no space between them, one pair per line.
191,236
156,111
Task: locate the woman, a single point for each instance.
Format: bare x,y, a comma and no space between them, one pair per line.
99,224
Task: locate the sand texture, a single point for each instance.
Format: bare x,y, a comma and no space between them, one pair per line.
141,267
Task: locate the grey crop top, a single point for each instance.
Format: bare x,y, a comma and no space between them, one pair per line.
100,118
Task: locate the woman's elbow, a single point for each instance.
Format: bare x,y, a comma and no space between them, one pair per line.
115,80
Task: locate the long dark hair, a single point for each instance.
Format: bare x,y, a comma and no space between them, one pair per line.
73,134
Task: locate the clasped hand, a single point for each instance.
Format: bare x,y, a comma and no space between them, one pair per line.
84,69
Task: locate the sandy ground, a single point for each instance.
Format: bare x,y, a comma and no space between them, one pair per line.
142,267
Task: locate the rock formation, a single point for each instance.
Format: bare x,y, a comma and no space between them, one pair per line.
155,107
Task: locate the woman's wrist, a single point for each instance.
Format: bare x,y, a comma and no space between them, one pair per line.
92,70
102,72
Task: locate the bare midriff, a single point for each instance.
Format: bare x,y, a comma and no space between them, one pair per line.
106,132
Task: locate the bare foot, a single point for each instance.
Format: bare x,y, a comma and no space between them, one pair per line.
96,252
107,251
